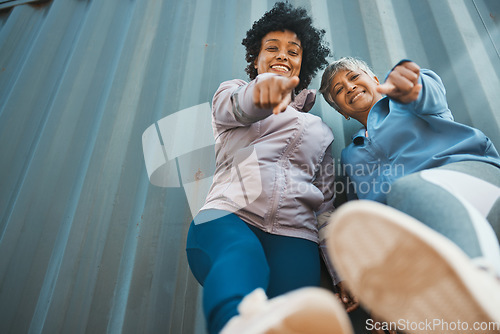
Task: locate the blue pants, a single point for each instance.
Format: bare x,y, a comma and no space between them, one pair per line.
230,259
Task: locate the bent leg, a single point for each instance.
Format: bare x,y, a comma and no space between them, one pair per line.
227,259
456,204
294,262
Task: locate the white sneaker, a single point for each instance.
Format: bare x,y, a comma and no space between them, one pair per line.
306,310
410,275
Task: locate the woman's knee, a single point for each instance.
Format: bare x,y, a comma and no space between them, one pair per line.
199,263
423,200
404,188
225,247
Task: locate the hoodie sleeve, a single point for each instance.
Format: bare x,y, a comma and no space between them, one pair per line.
233,106
432,97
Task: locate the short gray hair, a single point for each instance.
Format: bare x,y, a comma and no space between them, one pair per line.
344,63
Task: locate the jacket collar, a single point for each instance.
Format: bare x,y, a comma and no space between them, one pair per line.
304,100
359,137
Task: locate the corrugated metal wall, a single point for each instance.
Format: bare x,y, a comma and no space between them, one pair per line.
87,244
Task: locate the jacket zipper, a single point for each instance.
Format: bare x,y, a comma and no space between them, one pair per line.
276,193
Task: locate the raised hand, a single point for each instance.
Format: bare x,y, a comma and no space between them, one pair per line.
274,92
402,83
350,302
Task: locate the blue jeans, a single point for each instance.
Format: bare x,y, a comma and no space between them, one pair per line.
231,258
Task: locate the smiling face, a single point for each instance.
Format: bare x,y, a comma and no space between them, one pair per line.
355,93
280,53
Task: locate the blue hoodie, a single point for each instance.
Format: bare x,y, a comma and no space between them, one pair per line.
407,138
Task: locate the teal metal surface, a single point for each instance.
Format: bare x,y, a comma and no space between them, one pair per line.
87,243
11,3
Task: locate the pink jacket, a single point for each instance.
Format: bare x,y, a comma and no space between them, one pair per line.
275,172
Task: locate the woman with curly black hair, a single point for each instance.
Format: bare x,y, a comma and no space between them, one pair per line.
283,17
257,235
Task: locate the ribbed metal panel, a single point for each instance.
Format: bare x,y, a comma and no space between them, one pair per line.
87,244
12,3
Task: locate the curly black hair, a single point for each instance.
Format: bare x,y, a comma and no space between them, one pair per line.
285,17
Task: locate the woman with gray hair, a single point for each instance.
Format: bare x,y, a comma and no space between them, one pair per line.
443,178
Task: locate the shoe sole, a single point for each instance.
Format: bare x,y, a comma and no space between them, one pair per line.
313,310
306,310
408,274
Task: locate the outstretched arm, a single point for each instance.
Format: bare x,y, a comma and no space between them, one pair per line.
402,83
274,92
237,103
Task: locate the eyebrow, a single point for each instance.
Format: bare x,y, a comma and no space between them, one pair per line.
277,40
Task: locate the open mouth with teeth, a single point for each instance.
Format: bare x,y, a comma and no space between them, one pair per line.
357,95
280,68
